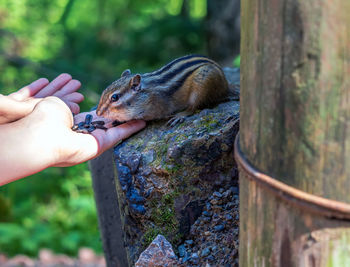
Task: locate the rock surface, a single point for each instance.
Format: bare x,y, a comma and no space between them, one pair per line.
213,239
214,235
166,175
158,254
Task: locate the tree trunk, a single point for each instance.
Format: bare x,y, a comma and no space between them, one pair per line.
295,111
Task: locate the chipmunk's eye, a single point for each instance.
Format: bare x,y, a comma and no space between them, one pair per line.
115,97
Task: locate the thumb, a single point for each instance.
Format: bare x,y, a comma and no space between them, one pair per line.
107,139
29,90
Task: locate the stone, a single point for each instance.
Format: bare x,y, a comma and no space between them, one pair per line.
158,254
208,206
235,190
206,213
134,162
182,251
227,193
205,252
211,258
166,174
217,194
206,219
219,228
194,258
189,242
137,209
214,201
228,217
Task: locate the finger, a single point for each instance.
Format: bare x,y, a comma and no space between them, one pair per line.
70,87
74,107
55,85
30,90
88,146
73,97
107,139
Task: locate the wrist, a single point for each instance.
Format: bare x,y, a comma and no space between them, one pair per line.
23,152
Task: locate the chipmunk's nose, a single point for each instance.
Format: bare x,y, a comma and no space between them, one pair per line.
100,110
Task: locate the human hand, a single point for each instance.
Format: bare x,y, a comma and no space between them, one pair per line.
19,104
71,148
44,138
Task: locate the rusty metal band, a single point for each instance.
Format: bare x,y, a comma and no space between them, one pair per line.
322,206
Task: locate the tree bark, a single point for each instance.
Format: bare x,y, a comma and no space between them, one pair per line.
295,114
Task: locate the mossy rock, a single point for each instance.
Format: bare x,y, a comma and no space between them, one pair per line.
165,175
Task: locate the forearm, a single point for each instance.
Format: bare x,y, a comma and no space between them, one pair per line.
23,150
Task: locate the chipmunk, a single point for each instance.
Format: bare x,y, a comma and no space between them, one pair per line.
184,85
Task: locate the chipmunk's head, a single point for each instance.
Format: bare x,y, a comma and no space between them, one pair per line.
119,100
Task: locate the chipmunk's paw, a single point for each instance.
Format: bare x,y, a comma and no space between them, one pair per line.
175,121
178,118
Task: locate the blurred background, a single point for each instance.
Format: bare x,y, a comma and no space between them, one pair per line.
94,41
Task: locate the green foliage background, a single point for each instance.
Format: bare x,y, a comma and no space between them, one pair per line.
94,41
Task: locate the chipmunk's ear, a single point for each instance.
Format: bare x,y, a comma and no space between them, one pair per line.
135,82
126,73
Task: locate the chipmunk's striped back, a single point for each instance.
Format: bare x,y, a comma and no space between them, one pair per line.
172,76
